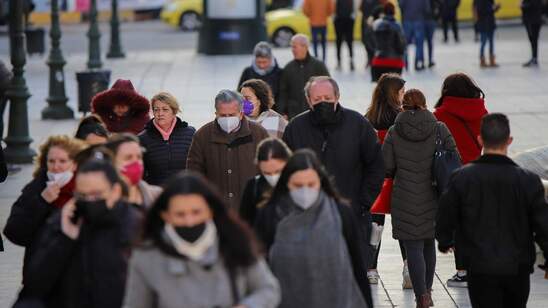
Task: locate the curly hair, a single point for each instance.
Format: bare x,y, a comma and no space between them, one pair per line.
262,91
70,145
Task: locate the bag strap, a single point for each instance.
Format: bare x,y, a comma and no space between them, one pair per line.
468,129
439,142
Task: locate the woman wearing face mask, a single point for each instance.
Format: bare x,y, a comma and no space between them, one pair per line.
264,67
51,187
382,112
166,139
272,155
92,130
82,253
196,253
408,152
122,108
258,107
308,229
128,159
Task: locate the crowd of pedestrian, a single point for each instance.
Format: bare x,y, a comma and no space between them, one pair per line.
270,203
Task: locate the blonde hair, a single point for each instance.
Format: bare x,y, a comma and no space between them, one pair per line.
168,99
70,145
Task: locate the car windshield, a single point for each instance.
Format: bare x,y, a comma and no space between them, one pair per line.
297,4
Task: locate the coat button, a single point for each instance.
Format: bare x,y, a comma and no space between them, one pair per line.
229,171
230,195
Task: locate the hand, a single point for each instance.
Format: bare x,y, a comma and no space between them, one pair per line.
285,117
70,229
496,7
448,250
51,193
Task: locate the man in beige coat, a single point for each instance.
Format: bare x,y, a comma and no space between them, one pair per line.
223,150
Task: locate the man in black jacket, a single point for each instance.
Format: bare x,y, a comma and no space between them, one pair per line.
294,76
497,209
345,142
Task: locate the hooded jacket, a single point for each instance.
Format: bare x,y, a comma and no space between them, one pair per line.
408,152
463,118
389,38
122,91
272,78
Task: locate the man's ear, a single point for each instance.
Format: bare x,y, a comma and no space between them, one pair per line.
480,141
510,140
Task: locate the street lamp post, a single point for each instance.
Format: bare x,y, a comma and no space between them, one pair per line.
115,50
57,100
18,140
94,61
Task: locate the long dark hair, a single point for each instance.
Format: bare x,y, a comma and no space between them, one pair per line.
302,160
237,244
262,91
272,148
459,85
384,102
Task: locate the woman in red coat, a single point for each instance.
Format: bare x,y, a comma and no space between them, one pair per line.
461,107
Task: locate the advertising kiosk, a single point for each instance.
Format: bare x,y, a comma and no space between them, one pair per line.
232,26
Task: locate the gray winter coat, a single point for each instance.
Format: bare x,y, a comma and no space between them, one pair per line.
159,280
408,152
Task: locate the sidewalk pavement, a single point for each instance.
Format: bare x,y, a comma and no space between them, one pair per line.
195,79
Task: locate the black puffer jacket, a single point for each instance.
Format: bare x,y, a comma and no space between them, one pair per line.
28,215
255,195
272,78
408,152
496,207
532,11
165,158
89,272
389,38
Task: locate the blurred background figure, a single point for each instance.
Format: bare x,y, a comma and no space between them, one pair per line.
258,93
121,108
430,25
532,19
264,67
166,139
318,13
449,18
485,12
272,155
414,14
128,159
308,229
389,55
371,10
92,130
344,29
197,252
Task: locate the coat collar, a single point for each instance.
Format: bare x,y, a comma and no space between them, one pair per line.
220,136
495,159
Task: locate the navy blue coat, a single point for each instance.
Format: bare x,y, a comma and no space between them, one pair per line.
164,158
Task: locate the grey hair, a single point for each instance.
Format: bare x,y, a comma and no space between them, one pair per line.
316,79
301,38
229,96
262,49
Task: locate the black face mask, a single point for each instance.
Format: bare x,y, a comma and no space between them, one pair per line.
325,113
93,212
191,234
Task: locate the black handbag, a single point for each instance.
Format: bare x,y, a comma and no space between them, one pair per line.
444,163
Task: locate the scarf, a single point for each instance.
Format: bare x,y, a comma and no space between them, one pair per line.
194,251
65,194
165,134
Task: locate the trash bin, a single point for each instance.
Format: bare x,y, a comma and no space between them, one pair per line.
90,83
35,41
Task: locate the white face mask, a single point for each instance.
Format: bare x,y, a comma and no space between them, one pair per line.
272,179
305,197
194,251
228,124
60,179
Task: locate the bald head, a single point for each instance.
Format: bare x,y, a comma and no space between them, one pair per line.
299,46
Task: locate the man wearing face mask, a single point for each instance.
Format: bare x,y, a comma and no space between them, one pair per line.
345,142
83,250
224,149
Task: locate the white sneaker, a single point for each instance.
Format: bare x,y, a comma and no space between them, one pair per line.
373,276
406,278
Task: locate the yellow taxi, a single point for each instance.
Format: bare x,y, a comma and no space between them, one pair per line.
282,24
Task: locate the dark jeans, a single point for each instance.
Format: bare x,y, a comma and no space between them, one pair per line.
487,37
319,34
446,22
421,261
429,29
498,291
379,219
344,30
414,33
533,32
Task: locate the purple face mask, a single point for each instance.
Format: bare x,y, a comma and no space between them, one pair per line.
248,107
